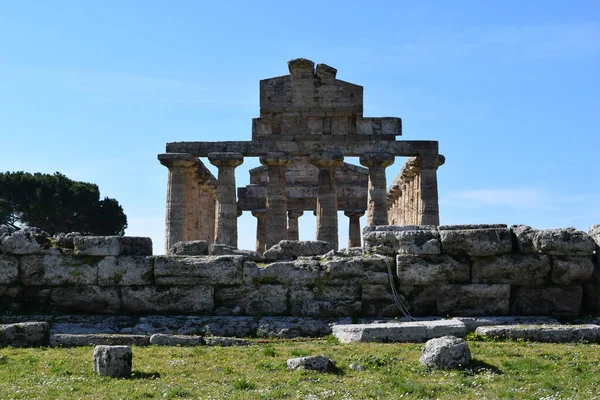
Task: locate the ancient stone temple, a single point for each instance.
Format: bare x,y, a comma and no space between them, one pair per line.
309,121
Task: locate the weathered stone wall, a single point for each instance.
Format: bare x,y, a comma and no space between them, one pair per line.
446,270
490,269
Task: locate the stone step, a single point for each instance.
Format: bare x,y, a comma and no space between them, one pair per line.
543,333
419,331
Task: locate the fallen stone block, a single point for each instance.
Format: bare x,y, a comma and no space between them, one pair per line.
543,333
447,352
24,334
113,361
189,248
472,323
112,246
292,249
91,339
161,339
418,331
313,363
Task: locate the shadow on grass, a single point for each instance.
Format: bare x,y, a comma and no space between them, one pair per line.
145,375
477,367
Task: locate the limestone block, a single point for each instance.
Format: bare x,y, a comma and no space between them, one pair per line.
427,270
11,299
161,339
217,341
325,301
558,301
79,324
292,249
409,239
571,270
189,248
251,300
381,333
565,241
594,233
172,299
474,299
9,269
422,299
125,271
543,333
55,270
378,301
476,242
217,249
299,272
472,323
291,327
447,352
313,363
112,246
96,339
24,334
87,299
113,361
523,235
196,325
366,269
26,241
205,270
519,269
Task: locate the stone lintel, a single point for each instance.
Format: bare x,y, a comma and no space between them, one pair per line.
348,145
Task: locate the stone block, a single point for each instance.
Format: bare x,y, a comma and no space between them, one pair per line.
26,241
189,248
378,301
112,246
161,339
291,327
422,300
125,271
292,249
96,339
171,299
472,323
313,363
11,299
224,250
557,301
522,237
57,270
88,299
571,270
205,270
365,269
543,333
477,299
476,242
113,361
251,300
410,239
325,301
9,269
414,331
565,241
299,272
446,352
518,269
217,341
427,270
24,334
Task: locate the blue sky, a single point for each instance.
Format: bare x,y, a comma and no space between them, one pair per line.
511,90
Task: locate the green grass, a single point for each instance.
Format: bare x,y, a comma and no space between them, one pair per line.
501,370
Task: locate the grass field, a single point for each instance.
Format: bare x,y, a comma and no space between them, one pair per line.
501,370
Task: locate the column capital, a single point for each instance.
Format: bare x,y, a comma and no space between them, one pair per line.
274,158
295,213
259,212
431,161
327,159
226,159
354,213
177,160
379,159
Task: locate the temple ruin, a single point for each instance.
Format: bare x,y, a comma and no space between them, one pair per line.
309,121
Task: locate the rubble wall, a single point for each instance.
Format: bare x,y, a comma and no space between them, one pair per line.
446,270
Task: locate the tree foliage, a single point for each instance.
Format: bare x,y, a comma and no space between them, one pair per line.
57,204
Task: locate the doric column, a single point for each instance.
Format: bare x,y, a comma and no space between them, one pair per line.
327,221
226,215
354,227
276,218
293,232
428,190
377,203
260,213
177,195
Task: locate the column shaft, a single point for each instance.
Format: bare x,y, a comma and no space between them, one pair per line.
293,230
276,217
354,227
260,229
327,219
428,190
377,200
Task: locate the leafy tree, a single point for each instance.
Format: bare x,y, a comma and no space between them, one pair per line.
56,204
